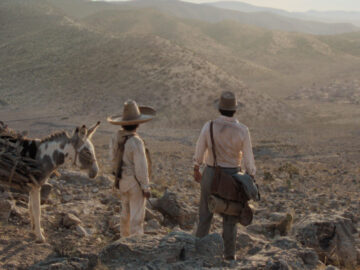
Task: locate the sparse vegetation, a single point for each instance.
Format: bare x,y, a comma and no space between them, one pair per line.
268,176
290,169
60,65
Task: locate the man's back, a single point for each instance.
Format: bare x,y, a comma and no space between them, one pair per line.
232,141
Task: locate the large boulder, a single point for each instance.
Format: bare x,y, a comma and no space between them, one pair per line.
273,258
176,211
331,236
257,252
177,250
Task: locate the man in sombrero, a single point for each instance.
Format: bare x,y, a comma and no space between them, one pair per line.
130,166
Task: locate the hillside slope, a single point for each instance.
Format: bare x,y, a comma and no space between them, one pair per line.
75,69
270,61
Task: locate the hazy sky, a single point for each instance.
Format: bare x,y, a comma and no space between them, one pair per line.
299,5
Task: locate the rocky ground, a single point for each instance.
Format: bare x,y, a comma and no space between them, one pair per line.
308,216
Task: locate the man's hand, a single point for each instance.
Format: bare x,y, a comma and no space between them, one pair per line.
197,174
147,194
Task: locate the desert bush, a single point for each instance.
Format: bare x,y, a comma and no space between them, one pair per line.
290,169
268,176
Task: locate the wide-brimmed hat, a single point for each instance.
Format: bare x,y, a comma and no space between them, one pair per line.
227,102
132,114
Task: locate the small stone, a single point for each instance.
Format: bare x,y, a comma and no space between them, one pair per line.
66,198
81,231
95,190
152,214
70,220
152,225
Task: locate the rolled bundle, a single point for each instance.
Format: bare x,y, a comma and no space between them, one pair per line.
16,170
220,206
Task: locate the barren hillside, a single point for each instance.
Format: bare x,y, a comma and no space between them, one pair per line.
80,69
66,63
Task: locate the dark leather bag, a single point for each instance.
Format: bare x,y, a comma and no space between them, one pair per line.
224,186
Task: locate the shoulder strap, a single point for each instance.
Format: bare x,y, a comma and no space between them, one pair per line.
212,142
121,148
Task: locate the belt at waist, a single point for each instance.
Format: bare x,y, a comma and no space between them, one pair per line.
226,168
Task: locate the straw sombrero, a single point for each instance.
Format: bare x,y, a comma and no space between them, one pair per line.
132,115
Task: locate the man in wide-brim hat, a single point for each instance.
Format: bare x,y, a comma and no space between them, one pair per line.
130,166
232,145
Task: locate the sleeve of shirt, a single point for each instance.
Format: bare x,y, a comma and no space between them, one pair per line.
141,166
249,161
201,146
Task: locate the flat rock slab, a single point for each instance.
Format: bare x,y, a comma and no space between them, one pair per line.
178,212
175,250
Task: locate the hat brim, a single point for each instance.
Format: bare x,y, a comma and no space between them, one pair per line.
217,106
146,115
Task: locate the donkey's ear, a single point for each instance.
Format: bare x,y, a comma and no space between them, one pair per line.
83,132
76,130
92,130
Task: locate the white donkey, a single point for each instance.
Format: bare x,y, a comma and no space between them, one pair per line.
52,152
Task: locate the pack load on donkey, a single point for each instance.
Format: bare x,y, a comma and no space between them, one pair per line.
16,169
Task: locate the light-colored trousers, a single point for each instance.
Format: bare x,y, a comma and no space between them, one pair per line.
133,207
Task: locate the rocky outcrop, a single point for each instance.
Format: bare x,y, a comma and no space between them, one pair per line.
176,211
280,253
74,263
332,237
178,250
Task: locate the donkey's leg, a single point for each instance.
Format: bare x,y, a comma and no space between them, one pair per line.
35,202
31,213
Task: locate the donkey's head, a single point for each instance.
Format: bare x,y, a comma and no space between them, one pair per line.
84,149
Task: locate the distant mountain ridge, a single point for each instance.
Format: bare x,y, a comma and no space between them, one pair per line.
352,17
261,18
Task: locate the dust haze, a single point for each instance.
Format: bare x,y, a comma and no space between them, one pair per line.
68,62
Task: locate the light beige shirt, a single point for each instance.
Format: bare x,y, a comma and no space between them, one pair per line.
232,144
134,160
